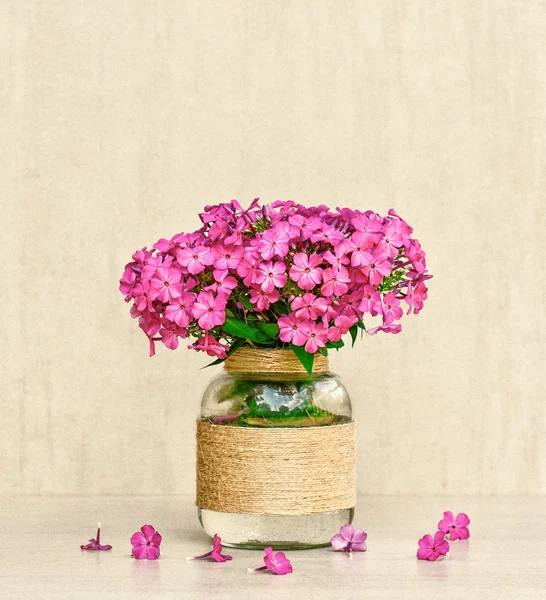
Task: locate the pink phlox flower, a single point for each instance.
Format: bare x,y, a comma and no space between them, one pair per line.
415,297
195,259
227,257
303,227
146,544
236,236
386,328
170,332
179,310
271,275
327,234
349,539
305,271
274,242
316,335
290,330
169,246
371,226
277,564
335,284
143,256
341,326
432,548
215,553
263,299
360,246
150,323
247,269
209,310
391,308
457,527
189,283
391,241
338,259
154,262
371,301
417,256
128,282
223,283
309,306
167,282
94,544
377,267
209,344
144,296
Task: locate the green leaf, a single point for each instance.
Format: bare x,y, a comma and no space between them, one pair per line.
235,346
361,325
324,351
306,358
337,345
214,362
246,303
271,330
248,331
353,331
282,307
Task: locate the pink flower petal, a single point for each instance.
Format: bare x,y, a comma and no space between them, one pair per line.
105,547
425,542
148,532
137,539
448,516
347,532
444,525
156,539
92,544
462,520
140,552
359,537
338,542
359,546
153,552
461,533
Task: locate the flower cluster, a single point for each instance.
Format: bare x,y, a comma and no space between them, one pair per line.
280,275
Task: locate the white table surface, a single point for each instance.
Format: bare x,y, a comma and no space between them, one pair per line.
41,557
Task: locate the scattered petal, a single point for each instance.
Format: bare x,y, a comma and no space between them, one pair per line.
277,564
349,539
456,527
146,544
432,548
94,544
215,553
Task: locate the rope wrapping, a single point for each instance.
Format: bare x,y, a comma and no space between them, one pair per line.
275,471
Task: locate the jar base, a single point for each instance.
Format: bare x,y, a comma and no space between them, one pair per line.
281,532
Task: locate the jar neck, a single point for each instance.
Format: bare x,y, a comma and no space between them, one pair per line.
272,362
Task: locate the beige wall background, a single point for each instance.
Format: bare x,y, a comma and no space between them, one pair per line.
120,120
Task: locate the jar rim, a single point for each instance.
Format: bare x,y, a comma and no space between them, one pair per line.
272,360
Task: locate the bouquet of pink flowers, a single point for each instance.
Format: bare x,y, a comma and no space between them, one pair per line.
278,276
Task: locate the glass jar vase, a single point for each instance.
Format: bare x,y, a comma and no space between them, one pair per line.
275,453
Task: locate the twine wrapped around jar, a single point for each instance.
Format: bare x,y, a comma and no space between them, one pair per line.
275,470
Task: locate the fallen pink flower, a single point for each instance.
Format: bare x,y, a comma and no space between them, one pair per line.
215,553
349,539
278,564
146,544
456,527
94,544
431,549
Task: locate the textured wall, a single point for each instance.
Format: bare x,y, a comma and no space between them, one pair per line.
119,120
